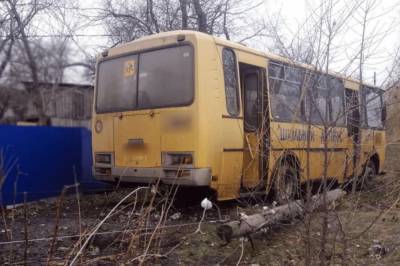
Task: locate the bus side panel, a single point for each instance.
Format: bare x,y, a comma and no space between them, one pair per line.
251,159
367,148
373,142
211,103
232,159
291,138
229,181
225,134
316,159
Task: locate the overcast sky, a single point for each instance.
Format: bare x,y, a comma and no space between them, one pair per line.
383,26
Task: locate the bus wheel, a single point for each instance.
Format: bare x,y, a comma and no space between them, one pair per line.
286,183
368,175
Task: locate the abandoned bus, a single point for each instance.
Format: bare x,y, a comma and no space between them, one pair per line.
190,109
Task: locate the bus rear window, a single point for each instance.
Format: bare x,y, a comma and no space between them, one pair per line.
116,84
155,79
166,77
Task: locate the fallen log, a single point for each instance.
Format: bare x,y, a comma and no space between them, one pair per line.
250,224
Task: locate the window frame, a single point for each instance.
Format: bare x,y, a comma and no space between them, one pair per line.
114,110
301,117
305,94
316,78
329,103
138,52
343,121
364,110
237,113
139,87
247,127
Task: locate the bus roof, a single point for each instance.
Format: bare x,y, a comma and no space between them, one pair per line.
237,46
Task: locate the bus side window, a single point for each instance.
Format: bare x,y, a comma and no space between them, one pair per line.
285,89
352,112
231,82
373,107
317,101
251,101
336,96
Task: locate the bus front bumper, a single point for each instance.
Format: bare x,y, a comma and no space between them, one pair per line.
172,176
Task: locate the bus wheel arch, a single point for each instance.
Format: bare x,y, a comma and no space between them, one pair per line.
375,160
286,178
371,169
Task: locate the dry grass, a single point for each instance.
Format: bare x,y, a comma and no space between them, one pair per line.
142,231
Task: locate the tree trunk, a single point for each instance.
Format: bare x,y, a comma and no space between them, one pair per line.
254,222
7,57
226,32
34,89
150,11
201,16
183,6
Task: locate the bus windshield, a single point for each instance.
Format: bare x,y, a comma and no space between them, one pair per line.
154,79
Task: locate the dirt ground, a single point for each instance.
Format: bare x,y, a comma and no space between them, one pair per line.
363,229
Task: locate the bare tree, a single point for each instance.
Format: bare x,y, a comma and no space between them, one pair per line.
183,5
20,17
27,58
201,16
126,22
7,39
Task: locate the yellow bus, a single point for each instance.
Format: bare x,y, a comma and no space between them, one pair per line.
190,109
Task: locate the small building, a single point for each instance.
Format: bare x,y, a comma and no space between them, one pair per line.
65,104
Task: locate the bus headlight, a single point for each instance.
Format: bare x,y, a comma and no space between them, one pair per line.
98,126
104,158
177,159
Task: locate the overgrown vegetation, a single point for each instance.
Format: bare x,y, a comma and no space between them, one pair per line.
138,226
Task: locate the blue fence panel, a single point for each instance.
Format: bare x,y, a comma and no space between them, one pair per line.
42,160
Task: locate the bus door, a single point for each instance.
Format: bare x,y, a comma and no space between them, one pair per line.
372,134
353,130
252,84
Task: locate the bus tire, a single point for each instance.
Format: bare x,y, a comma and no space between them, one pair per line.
369,174
286,183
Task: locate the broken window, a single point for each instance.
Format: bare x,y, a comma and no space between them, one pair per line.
231,83
372,99
251,101
285,84
336,96
317,104
325,102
